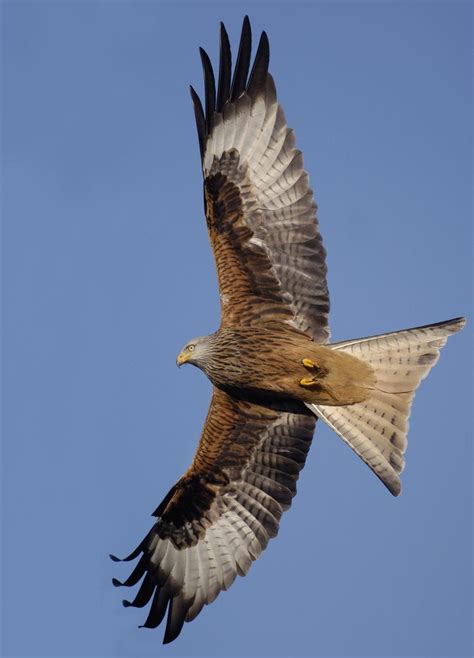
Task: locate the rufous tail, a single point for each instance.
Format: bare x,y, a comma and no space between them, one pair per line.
376,429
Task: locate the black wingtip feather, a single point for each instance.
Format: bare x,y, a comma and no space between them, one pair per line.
158,608
209,87
258,76
177,611
242,64
200,124
135,553
225,70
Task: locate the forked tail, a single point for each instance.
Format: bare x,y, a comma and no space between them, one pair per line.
376,429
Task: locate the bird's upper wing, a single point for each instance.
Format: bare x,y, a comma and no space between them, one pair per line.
260,211
220,515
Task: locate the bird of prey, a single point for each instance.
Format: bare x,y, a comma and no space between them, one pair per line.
273,369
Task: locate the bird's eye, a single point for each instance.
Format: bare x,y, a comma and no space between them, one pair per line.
190,348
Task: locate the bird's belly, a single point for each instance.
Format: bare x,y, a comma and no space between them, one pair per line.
303,371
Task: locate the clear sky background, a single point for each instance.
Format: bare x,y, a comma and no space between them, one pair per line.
107,272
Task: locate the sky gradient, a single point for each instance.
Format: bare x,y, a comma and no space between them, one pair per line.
107,272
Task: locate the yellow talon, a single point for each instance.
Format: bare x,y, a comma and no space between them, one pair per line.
308,381
308,363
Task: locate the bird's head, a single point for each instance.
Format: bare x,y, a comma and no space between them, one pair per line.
194,352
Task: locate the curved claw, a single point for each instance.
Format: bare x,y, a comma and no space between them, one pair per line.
308,382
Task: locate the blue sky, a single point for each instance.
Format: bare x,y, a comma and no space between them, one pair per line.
107,272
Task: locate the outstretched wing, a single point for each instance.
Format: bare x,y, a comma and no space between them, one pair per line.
219,516
260,211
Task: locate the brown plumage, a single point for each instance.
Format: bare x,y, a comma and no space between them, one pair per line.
271,366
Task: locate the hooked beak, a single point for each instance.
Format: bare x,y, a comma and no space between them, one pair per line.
182,358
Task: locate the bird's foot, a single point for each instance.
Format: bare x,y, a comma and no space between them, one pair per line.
317,372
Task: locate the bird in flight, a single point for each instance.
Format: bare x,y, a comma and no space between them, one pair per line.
273,369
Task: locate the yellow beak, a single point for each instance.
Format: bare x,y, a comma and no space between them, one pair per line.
182,358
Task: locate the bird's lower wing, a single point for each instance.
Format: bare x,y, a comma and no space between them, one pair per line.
219,516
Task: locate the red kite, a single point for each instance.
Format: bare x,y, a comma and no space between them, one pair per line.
271,365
